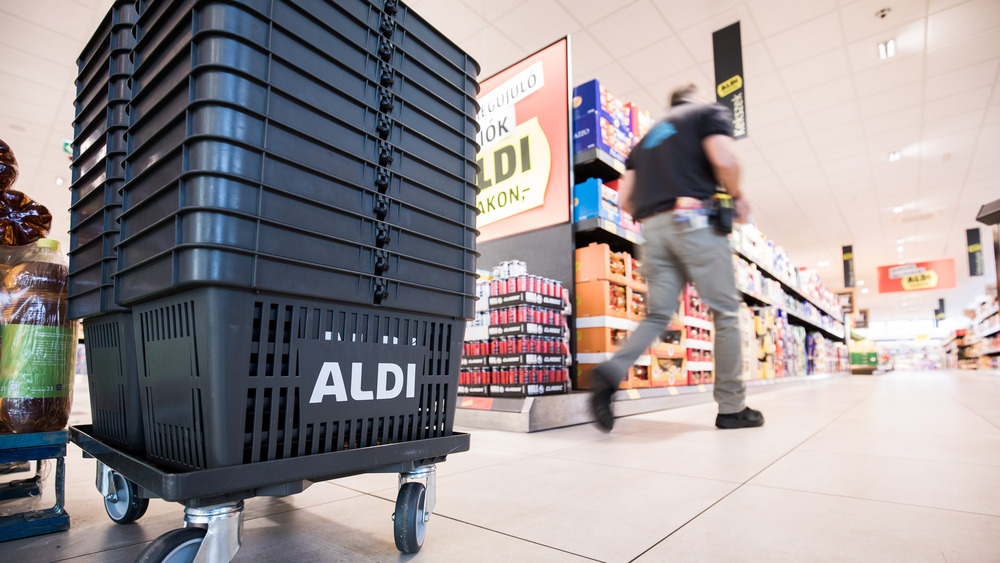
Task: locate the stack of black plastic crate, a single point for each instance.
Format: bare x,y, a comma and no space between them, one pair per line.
297,227
98,173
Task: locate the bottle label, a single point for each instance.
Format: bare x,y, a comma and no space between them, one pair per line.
37,361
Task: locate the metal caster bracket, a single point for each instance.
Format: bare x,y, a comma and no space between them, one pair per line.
106,483
427,474
225,530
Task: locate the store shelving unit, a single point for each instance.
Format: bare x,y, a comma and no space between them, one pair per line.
535,413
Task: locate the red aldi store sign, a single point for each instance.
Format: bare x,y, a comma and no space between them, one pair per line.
937,274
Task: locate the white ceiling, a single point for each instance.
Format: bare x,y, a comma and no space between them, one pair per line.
823,111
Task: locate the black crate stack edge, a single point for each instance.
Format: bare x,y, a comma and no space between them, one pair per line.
99,128
297,227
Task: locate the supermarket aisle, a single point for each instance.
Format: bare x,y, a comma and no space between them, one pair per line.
903,467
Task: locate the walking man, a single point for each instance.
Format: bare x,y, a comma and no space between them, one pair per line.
679,165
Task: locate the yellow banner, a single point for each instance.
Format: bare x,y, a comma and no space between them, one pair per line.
514,174
729,86
926,280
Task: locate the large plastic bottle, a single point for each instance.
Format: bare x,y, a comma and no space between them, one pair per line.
38,344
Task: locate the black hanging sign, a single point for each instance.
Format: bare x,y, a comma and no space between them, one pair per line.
729,85
848,266
975,252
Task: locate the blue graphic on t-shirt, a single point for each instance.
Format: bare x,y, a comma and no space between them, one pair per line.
659,133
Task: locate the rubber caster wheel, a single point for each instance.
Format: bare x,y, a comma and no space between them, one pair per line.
129,507
176,546
408,520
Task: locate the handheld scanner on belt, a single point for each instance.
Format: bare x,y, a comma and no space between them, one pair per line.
725,209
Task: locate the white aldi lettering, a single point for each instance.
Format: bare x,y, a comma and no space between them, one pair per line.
331,382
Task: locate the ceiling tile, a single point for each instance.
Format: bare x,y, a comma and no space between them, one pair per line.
892,74
909,96
453,18
823,119
942,108
588,55
764,89
664,58
810,39
957,23
777,132
966,122
793,162
849,161
615,78
969,50
635,26
489,11
764,113
586,12
698,38
61,17
837,153
500,52
959,81
756,60
835,134
812,74
860,20
829,95
534,25
683,14
775,16
891,120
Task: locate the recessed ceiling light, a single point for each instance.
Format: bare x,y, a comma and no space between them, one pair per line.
59,181
900,240
823,263
861,282
901,262
899,248
897,209
894,156
864,290
887,49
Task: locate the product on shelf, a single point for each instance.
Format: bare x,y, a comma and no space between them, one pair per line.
599,298
595,198
525,349
641,122
600,122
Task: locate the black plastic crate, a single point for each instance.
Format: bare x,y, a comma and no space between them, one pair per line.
98,173
234,377
113,380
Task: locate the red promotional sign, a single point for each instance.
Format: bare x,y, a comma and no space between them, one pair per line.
936,274
524,139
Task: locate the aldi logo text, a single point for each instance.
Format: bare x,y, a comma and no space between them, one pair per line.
390,382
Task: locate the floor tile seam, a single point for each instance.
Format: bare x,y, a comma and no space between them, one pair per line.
880,501
902,458
976,413
752,477
512,536
650,471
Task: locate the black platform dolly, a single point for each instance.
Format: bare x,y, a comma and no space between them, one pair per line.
213,498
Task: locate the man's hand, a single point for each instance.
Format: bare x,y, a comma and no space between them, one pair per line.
742,210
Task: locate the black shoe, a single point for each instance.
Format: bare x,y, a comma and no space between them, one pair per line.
600,398
747,418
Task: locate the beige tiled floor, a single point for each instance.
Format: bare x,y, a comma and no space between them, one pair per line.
900,467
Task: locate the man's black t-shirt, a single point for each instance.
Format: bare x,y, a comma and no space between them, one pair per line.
670,162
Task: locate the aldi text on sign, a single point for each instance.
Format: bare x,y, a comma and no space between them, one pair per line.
524,146
937,274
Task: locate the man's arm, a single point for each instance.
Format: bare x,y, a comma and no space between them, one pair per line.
722,156
625,192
